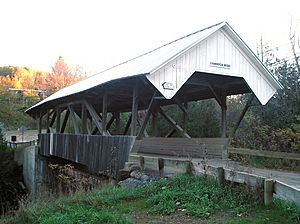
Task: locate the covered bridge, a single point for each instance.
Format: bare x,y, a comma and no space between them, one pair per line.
211,63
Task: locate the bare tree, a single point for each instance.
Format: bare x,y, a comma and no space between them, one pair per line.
293,42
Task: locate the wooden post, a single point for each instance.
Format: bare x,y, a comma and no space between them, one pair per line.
223,109
47,120
142,162
161,165
83,119
39,124
185,115
220,176
268,191
104,111
52,119
118,123
154,122
58,113
134,112
127,125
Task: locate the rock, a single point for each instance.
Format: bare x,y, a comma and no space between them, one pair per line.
144,177
131,166
123,174
136,174
131,183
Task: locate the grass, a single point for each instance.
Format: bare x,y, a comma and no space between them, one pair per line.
181,199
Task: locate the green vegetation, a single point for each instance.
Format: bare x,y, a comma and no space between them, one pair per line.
10,174
183,198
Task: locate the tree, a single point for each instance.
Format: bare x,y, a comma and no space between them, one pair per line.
61,76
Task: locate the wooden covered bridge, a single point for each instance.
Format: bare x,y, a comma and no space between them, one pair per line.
83,120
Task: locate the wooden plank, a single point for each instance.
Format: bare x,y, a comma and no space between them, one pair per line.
265,153
194,147
173,123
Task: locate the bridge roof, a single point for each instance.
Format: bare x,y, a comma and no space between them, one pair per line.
181,58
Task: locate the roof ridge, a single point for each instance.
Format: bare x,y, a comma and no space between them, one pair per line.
155,49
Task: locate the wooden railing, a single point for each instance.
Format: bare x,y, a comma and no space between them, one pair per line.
265,153
94,151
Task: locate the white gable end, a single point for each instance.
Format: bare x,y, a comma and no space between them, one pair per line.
217,54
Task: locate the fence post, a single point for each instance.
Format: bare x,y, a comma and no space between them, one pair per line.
142,162
220,176
268,191
161,165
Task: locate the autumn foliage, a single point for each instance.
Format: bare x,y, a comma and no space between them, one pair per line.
33,82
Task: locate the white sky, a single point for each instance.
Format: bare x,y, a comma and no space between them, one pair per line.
97,34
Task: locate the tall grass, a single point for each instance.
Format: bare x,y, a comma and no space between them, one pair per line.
194,196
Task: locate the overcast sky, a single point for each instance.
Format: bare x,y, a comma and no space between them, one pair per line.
98,34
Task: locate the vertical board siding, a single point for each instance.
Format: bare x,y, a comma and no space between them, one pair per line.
217,48
91,150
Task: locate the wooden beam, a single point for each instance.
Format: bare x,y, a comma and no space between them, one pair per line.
83,119
154,122
118,123
58,113
173,123
265,153
170,133
110,122
73,119
185,115
223,114
182,107
39,124
127,125
217,97
47,120
149,110
134,110
95,117
64,124
104,111
248,104
52,120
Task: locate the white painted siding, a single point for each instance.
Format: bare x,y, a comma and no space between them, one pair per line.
217,48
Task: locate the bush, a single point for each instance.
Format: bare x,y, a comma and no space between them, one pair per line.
10,175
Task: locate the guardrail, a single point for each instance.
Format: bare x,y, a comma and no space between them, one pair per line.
265,153
270,187
15,145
